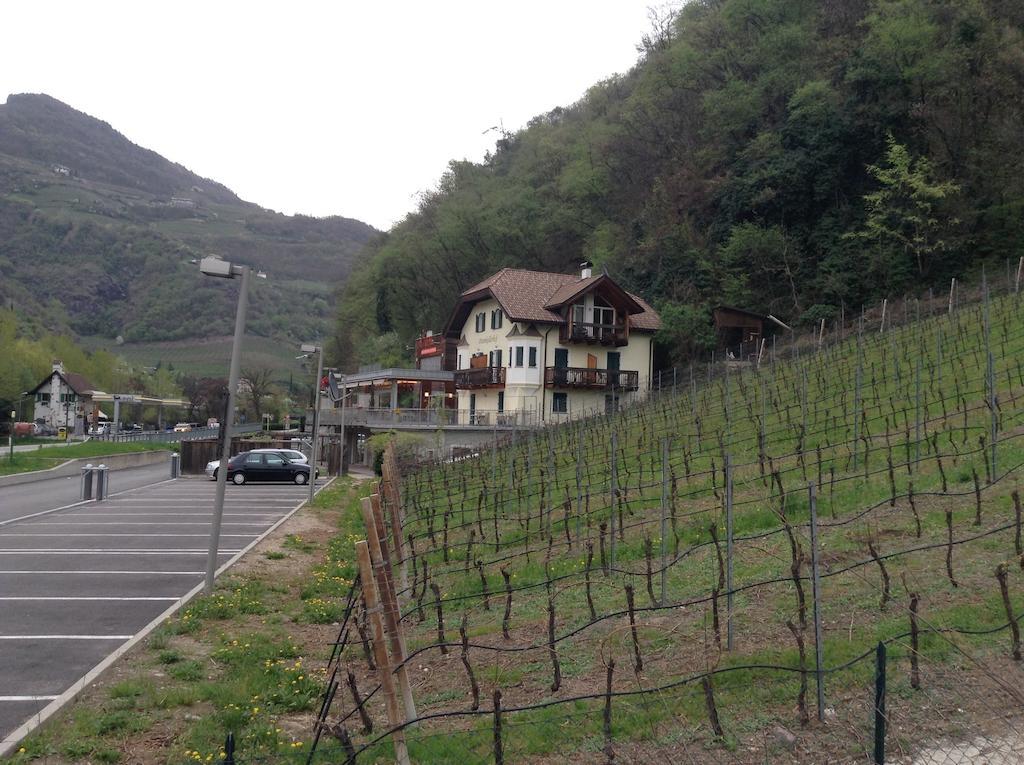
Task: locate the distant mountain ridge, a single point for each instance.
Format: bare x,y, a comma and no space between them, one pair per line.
43,129
98,236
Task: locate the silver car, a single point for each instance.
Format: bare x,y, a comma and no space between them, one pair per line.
292,455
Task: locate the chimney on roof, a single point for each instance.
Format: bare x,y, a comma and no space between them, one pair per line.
58,366
586,269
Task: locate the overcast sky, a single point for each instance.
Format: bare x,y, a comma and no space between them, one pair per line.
318,107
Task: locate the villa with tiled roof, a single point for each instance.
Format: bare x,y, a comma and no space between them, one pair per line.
554,345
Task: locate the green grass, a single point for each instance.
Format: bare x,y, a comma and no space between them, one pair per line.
45,458
209,357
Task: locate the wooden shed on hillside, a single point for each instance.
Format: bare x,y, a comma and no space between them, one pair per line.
738,331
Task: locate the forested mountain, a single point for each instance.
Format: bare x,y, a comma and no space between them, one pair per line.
791,156
97,236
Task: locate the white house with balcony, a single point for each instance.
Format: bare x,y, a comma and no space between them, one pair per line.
546,347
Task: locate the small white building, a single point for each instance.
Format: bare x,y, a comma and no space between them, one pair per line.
63,399
547,347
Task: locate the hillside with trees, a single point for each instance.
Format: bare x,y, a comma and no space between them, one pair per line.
788,156
98,235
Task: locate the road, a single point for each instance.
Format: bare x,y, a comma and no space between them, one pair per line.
27,498
78,586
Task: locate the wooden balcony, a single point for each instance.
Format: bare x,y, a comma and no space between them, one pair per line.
481,377
594,334
584,378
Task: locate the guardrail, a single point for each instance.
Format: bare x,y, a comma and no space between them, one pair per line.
170,436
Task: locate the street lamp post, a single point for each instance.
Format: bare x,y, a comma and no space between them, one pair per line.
319,351
344,441
215,266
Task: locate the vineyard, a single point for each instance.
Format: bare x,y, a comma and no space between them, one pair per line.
718,575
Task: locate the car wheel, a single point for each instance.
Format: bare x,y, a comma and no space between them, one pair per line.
300,478
238,479
214,475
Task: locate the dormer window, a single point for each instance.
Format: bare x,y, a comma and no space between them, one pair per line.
603,313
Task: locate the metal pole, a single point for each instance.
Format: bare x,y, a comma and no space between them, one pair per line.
990,373
728,552
316,420
664,513
225,454
615,493
344,440
856,395
579,480
819,659
879,758
917,424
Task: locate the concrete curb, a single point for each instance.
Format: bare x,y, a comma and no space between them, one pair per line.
73,467
12,740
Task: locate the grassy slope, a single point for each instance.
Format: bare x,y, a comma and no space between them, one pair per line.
208,358
807,407
46,458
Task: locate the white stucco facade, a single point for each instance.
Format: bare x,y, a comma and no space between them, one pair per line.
524,350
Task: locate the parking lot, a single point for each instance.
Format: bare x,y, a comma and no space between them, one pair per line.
80,585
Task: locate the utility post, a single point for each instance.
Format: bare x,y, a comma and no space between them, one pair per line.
309,348
14,415
344,440
215,266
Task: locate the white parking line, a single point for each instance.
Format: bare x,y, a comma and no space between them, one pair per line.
177,515
27,698
42,512
77,597
91,551
104,573
138,534
137,523
66,637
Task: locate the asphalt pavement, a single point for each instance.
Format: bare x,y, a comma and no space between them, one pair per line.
26,498
80,585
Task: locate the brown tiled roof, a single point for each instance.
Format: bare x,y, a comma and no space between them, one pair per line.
525,296
78,383
568,291
73,380
649,319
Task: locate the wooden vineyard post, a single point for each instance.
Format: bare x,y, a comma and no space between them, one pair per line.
819,652
374,526
373,608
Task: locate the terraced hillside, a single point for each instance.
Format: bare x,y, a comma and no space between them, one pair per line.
641,587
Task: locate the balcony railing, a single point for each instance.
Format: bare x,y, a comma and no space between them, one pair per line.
588,332
592,379
428,419
481,377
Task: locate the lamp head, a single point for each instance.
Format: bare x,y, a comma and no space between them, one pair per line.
214,265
